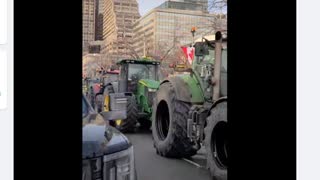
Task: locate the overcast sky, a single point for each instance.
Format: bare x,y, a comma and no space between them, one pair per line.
146,5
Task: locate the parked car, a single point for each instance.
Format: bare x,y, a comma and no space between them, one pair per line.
107,154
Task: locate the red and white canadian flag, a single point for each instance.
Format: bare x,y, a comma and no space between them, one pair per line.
189,52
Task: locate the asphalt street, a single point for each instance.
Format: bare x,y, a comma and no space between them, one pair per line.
151,166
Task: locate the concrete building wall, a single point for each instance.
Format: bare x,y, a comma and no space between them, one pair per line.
88,23
162,29
119,16
99,20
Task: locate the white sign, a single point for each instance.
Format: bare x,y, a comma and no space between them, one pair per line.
3,21
3,78
3,54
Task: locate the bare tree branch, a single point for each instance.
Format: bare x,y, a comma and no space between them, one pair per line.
168,51
217,4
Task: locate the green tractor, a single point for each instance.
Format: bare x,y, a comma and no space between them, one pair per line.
190,109
129,101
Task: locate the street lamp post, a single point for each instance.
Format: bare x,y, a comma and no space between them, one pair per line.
193,30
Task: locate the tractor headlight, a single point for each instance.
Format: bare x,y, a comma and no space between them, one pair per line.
152,90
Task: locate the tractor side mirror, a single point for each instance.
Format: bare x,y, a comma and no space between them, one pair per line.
201,49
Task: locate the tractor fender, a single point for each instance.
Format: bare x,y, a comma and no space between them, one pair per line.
222,99
186,90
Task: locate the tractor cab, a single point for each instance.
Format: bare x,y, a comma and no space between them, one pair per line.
205,50
205,66
130,100
133,72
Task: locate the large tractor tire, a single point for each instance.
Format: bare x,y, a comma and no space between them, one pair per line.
128,124
169,124
216,141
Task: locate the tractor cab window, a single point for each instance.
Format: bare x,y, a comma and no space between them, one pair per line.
210,57
142,71
206,58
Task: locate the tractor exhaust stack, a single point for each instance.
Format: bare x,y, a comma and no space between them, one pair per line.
217,66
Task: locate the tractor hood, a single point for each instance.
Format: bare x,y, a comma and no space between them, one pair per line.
150,83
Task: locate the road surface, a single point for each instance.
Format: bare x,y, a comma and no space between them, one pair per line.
151,166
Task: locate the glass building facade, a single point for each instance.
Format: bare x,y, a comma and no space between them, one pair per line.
194,5
166,28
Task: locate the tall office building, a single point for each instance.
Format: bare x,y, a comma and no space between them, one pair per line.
169,26
204,3
99,20
195,5
119,16
88,23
